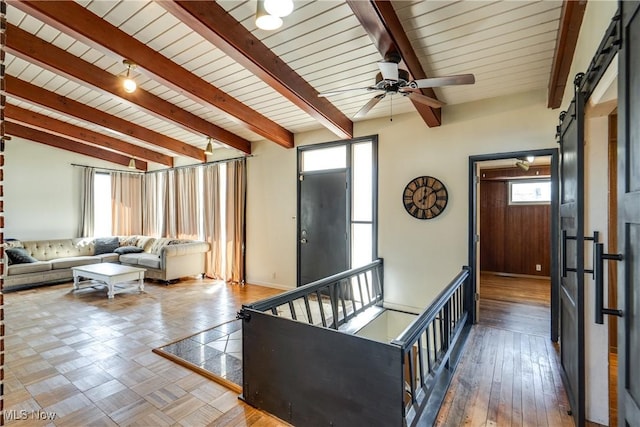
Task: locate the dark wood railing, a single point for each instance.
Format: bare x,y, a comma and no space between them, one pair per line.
430,349
300,365
330,302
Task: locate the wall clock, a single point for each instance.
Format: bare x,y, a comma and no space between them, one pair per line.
425,197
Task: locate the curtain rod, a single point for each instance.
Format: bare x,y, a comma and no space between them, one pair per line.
108,170
213,162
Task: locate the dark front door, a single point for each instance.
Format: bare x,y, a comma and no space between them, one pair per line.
572,255
629,216
323,238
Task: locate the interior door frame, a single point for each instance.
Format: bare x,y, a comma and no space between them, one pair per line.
555,229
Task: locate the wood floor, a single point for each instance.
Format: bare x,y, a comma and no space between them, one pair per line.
88,360
509,373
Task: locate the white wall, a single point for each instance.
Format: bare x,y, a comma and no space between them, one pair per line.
421,257
41,190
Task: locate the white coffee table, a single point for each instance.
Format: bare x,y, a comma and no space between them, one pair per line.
110,274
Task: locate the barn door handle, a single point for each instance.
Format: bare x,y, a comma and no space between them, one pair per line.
599,269
566,237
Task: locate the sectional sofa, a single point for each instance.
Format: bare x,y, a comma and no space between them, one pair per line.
39,262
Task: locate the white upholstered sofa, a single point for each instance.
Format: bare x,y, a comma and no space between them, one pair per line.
50,261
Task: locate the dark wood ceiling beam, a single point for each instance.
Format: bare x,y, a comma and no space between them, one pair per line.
31,93
568,31
50,125
23,44
212,22
79,23
35,135
381,22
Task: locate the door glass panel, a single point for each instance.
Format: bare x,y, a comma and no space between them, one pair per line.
324,159
361,244
362,182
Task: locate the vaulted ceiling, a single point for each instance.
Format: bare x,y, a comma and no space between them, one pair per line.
205,70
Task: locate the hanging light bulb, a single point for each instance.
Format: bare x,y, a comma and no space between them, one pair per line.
209,149
279,8
128,83
264,20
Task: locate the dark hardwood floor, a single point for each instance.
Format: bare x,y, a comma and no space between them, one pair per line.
509,373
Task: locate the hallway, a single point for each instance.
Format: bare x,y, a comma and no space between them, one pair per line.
509,373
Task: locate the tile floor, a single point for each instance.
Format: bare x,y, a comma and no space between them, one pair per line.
217,350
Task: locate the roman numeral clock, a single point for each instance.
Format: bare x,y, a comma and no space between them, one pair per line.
425,197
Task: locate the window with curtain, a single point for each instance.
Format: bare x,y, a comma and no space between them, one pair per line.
203,202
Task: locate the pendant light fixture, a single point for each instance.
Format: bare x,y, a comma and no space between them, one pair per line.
209,149
279,8
132,163
266,21
128,83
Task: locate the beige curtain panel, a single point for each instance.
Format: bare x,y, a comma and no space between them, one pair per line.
126,203
235,221
211,204
187,207
87,207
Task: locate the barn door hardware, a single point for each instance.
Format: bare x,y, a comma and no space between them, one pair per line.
566,237
600,256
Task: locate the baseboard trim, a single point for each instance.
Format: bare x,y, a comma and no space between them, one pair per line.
270,285
524,276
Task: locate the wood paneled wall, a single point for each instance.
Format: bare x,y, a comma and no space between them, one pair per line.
513,238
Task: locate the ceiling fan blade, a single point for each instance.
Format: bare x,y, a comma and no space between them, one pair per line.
339,91
369,105
389,70
461,79
431,102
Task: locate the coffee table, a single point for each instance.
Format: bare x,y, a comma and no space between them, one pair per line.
110,274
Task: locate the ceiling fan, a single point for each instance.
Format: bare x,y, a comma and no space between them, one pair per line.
393,80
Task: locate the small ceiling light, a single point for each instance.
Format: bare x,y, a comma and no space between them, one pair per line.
128,83
530,159
264,20
209,149
523,164
132,163
279,8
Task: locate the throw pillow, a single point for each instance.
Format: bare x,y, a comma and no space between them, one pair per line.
128,250
19,256
106,245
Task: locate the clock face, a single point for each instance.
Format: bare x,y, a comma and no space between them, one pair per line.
425,197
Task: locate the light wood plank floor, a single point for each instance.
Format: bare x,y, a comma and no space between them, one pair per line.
89,360
509,373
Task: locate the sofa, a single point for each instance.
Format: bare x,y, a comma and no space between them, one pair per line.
39,262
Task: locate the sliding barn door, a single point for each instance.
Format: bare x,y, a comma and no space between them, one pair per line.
572,254
629,216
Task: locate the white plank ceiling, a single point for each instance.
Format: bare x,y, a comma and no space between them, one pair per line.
508,45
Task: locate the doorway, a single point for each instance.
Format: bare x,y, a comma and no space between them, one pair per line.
514,214
501,165
337,207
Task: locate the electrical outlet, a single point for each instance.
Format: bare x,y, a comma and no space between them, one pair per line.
538,267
